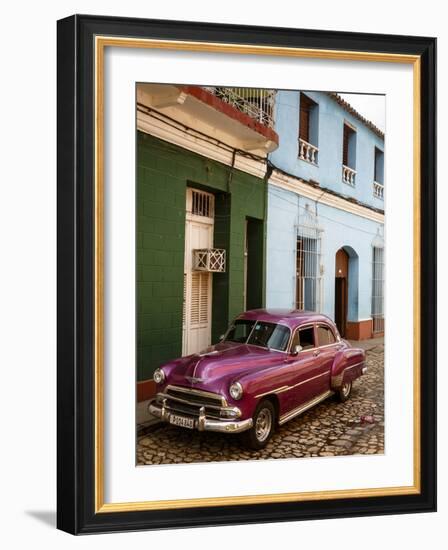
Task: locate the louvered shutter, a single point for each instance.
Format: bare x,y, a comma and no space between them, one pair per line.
345,145
304,126
199,312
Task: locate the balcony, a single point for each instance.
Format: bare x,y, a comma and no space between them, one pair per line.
242,118
378,190
348,175
254,102
308,152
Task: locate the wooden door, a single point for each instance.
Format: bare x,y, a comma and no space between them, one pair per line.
341,291
197,312
340,304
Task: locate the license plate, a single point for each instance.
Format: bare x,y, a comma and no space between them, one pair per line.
182,421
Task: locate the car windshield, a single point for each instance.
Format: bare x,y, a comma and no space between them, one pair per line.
269,335
239,331
266,335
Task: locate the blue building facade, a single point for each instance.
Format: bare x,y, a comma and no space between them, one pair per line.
325,247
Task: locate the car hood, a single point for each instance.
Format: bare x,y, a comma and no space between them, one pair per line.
219,365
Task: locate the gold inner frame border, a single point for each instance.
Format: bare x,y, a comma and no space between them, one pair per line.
101,42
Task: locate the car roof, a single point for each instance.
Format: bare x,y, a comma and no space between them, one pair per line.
289,317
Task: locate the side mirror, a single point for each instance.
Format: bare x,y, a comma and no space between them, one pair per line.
296,350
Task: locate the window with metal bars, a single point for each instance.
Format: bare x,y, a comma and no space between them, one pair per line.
378,289
308,277
201,203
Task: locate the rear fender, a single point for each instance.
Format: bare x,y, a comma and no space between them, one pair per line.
347,366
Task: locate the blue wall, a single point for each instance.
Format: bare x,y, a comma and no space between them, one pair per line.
340,229
328,173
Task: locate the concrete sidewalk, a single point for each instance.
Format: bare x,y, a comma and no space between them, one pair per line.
367,345
144,419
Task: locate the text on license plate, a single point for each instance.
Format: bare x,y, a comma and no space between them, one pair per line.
182,421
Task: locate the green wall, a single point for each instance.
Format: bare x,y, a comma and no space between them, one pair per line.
163,173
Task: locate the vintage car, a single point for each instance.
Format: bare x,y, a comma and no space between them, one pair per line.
270,366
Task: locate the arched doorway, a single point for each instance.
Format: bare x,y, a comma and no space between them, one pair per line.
341,291
346,288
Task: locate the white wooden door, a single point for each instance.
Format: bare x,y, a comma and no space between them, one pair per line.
197,284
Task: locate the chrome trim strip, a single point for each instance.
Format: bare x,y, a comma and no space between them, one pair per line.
329,345
287,388
353,366
277,390
196,366
291,414
309,379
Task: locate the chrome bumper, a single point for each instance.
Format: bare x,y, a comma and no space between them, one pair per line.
202,423
364,370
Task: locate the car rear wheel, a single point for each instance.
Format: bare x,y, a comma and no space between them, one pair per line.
345,391
262,428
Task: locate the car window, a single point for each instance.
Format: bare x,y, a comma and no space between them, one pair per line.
304,337
239,331
270,335
325,335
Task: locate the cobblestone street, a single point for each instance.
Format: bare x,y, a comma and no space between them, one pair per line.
329,429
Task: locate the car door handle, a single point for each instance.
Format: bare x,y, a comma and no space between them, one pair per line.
316,353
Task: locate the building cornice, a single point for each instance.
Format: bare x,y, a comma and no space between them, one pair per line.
176,133
323,196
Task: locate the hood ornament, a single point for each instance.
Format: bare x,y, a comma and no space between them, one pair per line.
194,380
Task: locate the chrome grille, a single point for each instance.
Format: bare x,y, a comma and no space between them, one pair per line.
189,401
196,397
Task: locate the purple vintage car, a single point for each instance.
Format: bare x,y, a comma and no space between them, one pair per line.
270,366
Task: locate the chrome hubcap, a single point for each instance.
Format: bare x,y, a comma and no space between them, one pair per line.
263,424
346,389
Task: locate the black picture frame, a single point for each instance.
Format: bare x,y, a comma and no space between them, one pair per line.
76,255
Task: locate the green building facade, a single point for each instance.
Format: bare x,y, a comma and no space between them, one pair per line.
164,172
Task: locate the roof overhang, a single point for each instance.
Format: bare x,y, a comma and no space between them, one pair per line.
198,109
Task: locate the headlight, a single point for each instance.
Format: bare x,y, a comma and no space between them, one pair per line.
236,390
159,376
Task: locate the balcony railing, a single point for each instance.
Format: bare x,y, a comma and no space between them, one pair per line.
256,103
378,190
308,152
348,175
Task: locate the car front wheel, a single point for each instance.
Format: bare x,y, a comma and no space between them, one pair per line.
262,428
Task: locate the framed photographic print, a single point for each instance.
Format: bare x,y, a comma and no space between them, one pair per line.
246,274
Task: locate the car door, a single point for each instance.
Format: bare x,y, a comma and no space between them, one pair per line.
327,348
307,369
